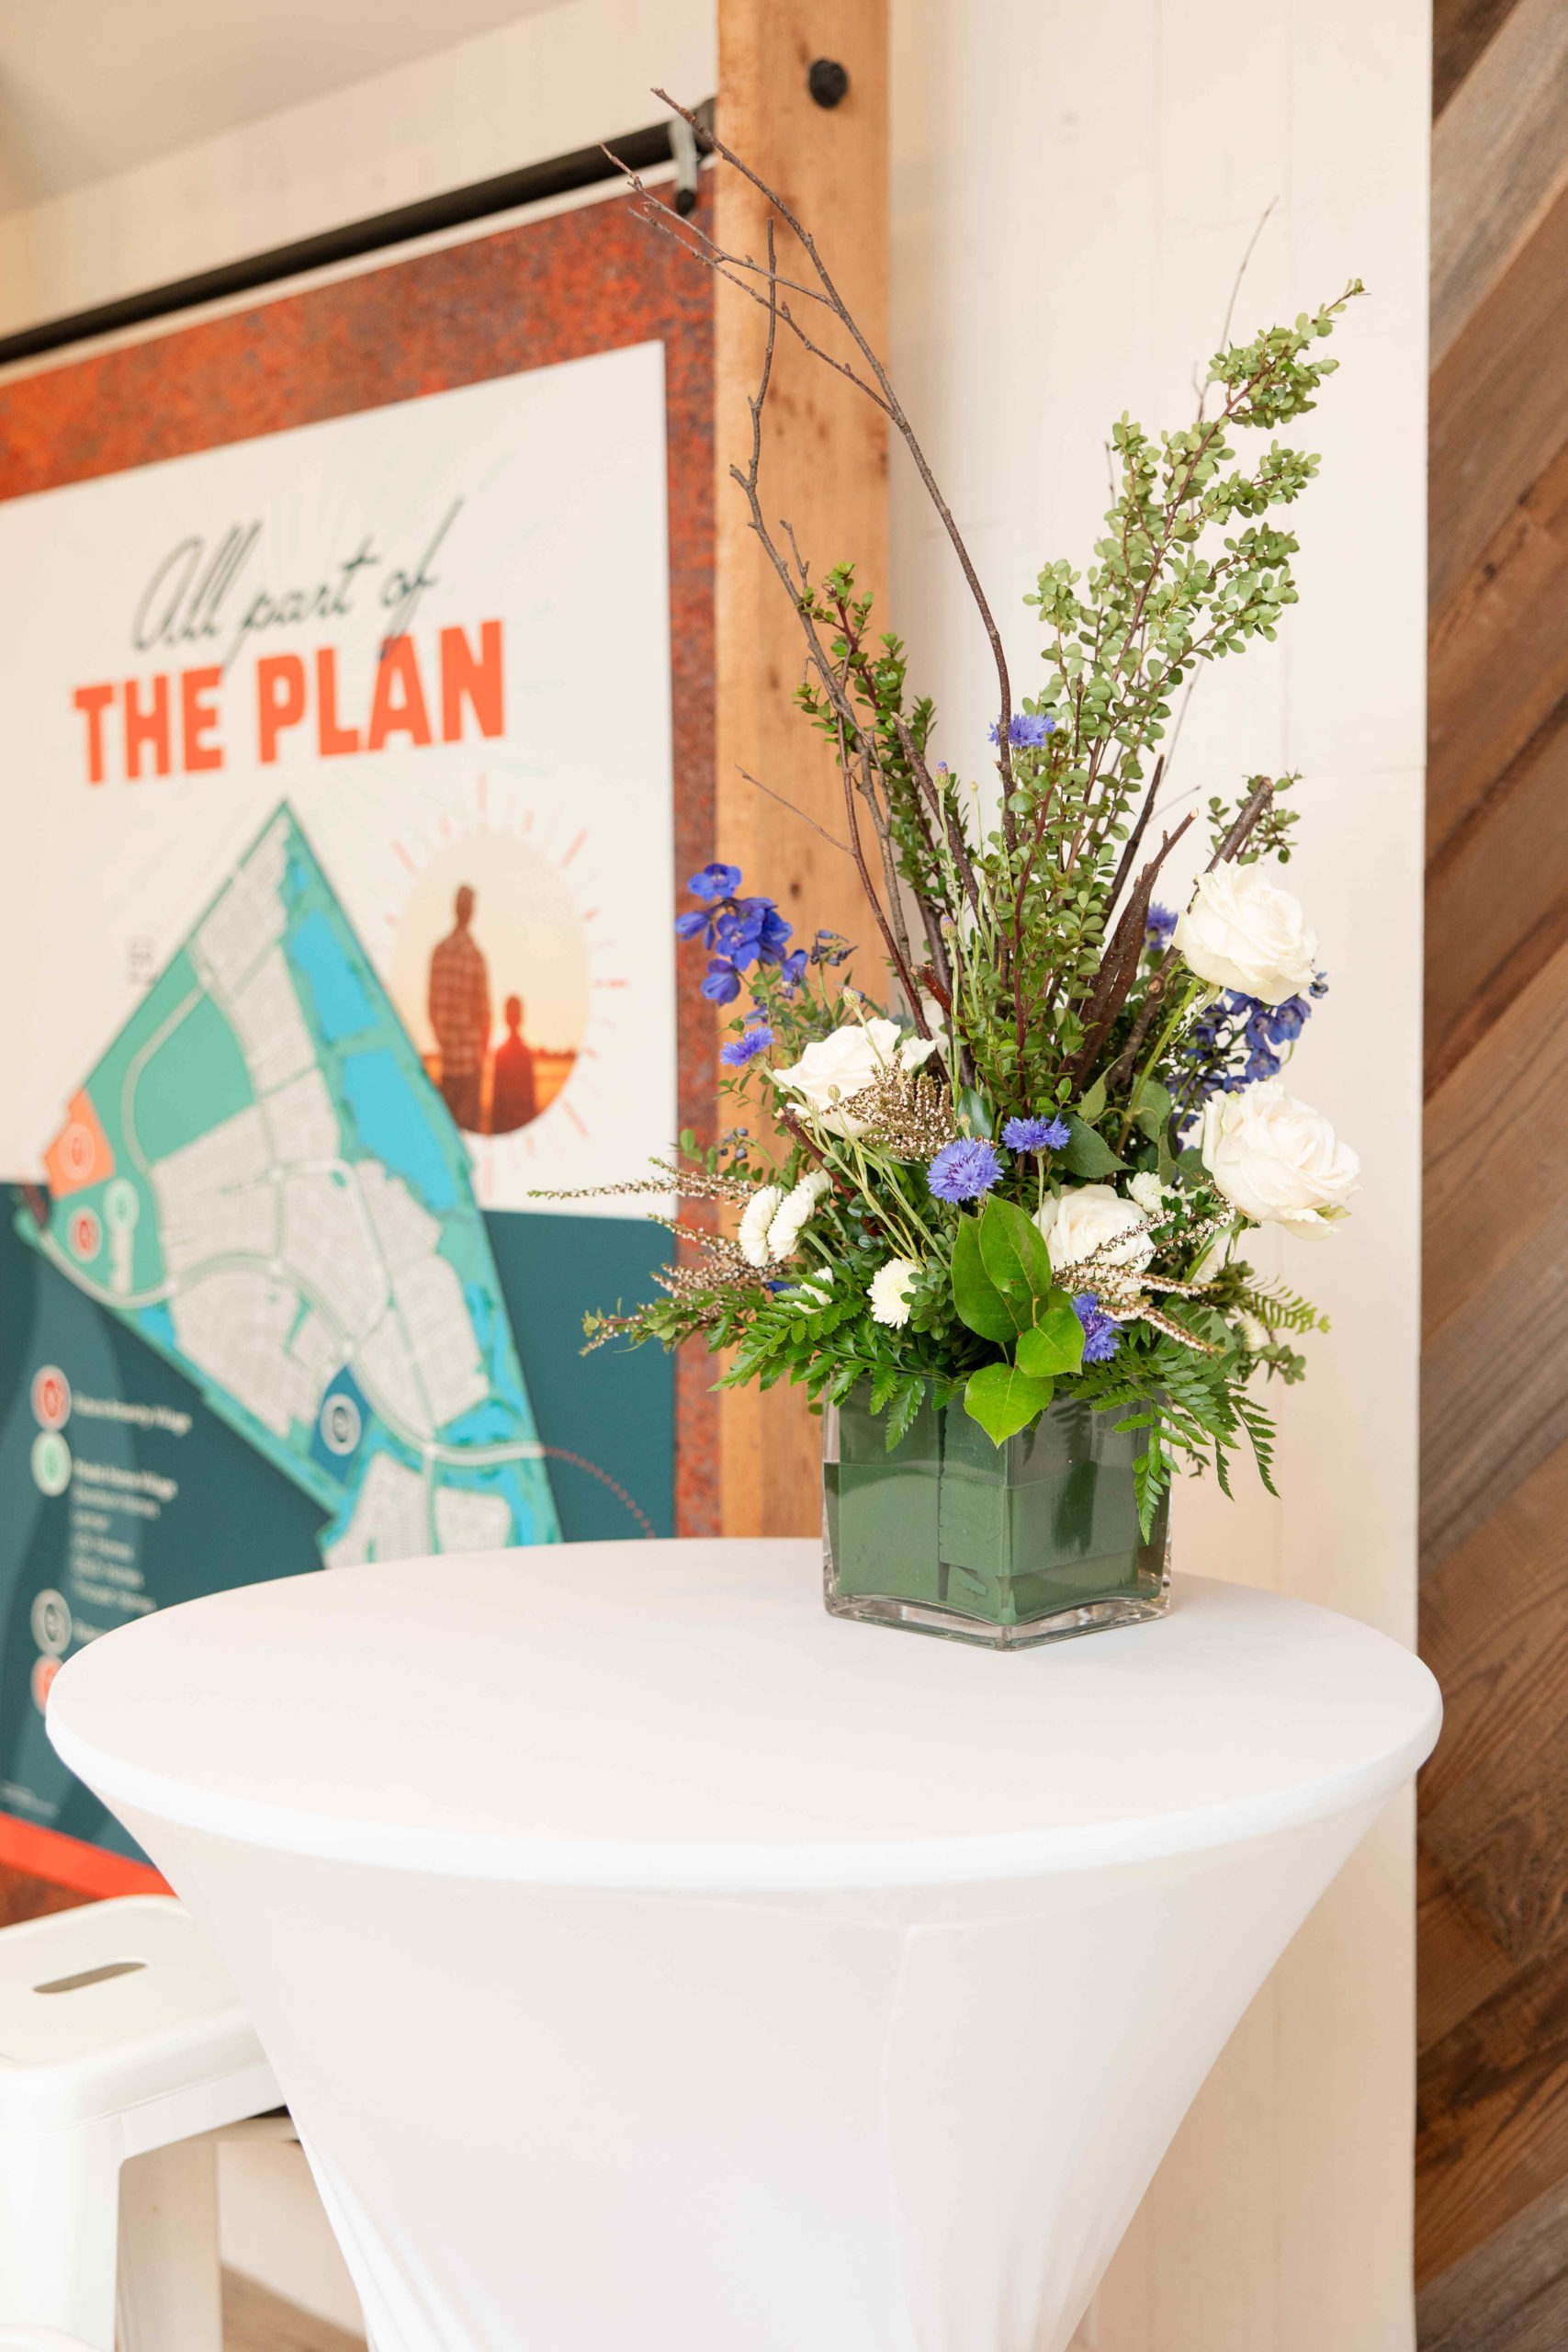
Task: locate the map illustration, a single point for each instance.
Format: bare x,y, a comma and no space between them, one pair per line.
260,1179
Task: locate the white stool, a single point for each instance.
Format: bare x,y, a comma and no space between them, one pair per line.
120,2038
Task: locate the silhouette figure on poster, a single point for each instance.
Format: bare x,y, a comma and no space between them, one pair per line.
459,1012
514,1099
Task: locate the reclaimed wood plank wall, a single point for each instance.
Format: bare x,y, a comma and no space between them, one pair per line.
1492,2176
825,469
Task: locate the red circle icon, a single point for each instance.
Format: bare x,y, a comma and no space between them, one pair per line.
52,1397
44,1671
86,1233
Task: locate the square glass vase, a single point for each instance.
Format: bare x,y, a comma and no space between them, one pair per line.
1035,1540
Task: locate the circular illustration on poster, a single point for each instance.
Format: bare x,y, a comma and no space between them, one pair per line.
489,972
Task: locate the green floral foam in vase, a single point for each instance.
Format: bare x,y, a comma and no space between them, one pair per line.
1032,1540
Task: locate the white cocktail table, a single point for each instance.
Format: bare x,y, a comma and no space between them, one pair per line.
651,1960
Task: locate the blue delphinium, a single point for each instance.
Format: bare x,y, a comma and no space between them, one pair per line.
739,931
748,1045
962,1171
1233,1045
715,881
1157,929
1036,1134
1101,1336
1027,729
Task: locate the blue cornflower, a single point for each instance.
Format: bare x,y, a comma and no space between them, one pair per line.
748,1045
1027,729
715,881
1036,1134
1160,923
962,1171
722,984
1102,1335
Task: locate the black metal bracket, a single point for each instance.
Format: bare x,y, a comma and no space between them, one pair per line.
638,151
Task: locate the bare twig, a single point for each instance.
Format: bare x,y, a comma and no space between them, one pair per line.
1235,841
900,963
1235,291
887,400
794,809
1134,839
1119,966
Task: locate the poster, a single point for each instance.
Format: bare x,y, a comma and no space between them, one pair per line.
342,814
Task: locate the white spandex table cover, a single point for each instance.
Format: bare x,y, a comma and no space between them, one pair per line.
651,1960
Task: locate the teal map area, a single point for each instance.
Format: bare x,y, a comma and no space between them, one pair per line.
260,1179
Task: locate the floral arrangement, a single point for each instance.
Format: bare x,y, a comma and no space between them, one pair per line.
1029,1171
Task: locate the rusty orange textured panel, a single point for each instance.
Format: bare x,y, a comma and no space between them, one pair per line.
530,296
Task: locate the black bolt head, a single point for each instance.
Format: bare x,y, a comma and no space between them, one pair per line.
828,80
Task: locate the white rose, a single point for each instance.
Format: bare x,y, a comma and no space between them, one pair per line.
1083,1220
889,1289
915,1051
783,1233
832,1069
760,1211
1277,1159
1244,933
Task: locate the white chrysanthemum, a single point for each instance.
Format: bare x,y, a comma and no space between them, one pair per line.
889,1289
760,1211
1151,1194
783,1232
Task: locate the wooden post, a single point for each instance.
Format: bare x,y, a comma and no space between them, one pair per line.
825,471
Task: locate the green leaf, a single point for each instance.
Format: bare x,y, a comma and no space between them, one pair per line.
1013,1253
1004,1400
979,1302
1093,1102
1152,1110
1055,1345
971,1108
1088,1153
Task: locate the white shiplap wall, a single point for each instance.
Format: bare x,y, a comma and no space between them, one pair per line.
1073,187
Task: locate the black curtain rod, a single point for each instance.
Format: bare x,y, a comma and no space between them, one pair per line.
640,151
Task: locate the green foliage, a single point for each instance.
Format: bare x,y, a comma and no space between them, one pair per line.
1005,1400
1087,1153
980,1304
1016,934
1054,1345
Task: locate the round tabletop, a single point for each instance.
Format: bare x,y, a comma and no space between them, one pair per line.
686,1714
